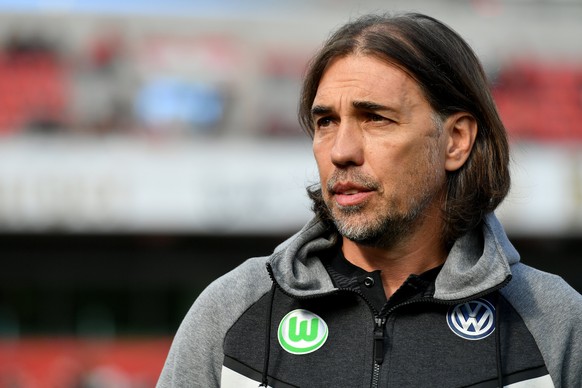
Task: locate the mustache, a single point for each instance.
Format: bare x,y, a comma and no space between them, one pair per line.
352,176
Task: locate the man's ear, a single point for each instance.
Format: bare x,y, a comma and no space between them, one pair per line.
462,129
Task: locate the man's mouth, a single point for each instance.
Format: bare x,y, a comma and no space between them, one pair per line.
350,194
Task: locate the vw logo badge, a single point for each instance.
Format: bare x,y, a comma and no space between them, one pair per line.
473,320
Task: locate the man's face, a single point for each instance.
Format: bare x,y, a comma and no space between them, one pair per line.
379,149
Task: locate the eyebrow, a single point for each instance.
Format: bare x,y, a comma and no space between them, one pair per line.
320,110
370,106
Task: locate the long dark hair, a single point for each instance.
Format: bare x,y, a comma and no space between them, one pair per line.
452,80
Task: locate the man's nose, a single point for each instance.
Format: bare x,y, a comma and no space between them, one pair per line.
348,147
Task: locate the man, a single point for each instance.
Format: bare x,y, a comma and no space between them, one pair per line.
404,277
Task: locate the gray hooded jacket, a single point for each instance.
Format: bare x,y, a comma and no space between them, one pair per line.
435,334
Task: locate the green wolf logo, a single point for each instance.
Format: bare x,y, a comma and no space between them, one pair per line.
302,332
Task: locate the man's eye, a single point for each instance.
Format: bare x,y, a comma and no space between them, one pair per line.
324,122
375,117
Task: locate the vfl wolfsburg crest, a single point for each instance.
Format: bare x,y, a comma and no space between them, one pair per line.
302,332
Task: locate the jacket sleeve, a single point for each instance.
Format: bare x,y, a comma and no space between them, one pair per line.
552,311
196,355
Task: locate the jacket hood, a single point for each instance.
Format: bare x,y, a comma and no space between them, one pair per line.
295,264
477,262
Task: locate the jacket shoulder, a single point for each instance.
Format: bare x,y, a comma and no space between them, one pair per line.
552,312
196,355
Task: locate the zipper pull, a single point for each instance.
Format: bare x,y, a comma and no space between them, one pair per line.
379,340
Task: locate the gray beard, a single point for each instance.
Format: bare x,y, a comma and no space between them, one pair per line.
383,232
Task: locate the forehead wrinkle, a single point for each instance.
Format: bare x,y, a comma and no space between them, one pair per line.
391,90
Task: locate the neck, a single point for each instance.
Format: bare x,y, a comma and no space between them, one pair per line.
419,252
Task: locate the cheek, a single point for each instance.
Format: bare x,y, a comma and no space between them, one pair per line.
389,159
321,156
402,166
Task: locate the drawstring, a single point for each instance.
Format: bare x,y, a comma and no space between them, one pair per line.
265,378
498,343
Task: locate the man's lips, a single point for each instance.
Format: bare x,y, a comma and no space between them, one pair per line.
349,194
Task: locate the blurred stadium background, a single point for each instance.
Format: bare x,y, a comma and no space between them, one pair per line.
148,147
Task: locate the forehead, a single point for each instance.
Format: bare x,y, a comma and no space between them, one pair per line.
367,77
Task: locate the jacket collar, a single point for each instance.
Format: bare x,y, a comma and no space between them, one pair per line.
479,261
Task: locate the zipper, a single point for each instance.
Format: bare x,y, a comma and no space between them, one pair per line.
379,337
379,340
